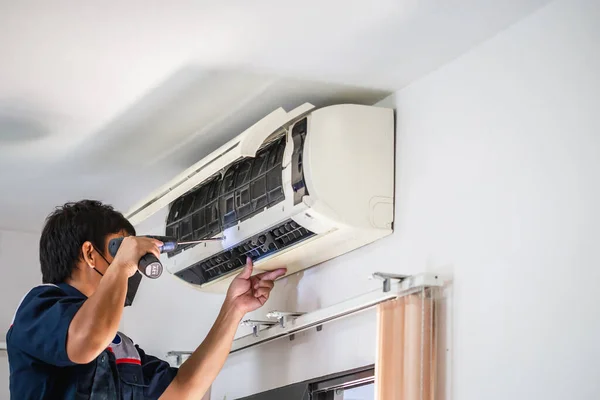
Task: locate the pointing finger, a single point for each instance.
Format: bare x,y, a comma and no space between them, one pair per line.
247,271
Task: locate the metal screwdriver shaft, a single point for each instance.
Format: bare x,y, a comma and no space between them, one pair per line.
202,240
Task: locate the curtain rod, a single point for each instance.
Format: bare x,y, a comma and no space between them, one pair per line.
287,324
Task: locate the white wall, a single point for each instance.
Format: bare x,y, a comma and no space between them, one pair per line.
498,183
20,268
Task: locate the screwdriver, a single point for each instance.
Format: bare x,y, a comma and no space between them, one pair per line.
201,240
149,265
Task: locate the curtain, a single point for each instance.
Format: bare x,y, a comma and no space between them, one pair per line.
406,347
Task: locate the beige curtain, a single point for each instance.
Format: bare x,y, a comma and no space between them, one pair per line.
406,349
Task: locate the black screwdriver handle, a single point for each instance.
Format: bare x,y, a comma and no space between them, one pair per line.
148,265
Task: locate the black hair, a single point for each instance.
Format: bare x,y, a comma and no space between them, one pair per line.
68,228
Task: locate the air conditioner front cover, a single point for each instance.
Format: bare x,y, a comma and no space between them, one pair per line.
317,185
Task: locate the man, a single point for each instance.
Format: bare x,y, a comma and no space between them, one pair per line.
63,342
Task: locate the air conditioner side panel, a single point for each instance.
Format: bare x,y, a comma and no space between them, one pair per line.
349,165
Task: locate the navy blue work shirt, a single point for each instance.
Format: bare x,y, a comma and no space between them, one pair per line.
41,369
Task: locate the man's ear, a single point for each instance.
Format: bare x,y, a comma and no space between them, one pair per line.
87,254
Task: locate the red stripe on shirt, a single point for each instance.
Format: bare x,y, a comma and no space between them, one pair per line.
129,361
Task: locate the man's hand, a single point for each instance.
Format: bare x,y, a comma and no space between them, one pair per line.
132,249
248,293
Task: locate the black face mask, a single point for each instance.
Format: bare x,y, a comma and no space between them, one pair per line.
132,283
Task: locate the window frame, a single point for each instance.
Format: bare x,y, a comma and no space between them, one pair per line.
327,388
323,388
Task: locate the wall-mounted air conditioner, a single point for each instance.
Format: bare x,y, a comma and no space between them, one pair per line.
294,190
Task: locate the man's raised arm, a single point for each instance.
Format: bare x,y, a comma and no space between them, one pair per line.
246,293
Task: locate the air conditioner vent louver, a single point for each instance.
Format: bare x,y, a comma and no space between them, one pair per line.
259,246
247,187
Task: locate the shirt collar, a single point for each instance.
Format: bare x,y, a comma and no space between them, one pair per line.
71,291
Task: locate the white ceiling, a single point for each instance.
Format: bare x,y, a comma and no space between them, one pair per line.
109,99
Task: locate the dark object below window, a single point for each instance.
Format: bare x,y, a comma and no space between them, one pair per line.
297,391
132,286
323,388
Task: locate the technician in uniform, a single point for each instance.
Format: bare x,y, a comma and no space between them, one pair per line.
63,342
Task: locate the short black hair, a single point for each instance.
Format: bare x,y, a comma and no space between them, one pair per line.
68,228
